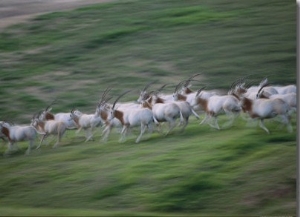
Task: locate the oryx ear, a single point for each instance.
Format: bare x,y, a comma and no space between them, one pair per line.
49,109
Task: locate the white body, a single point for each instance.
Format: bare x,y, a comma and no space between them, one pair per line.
216,105
17,133
103,111
50,127
142,117
62,116
186,111
65,117
267,108
87,122
166,112
286,89
289,98
127,105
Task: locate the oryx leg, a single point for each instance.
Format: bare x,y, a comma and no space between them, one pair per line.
250,122
143,129
159,127
231,118
16,147
172,124
204,119
44,136
195,114
215,123
29,147
285,119
150,128
262,125
9,148
105,133
89,134
58,140
79,129
186,121
123,133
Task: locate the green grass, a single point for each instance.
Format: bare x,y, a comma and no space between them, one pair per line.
73,56
85,50
232,174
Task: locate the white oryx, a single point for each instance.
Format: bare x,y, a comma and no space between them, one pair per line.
251,91
267,108
145,95
17,133
50,127
286,89
216,105
289,98
87,122
190,94
142,117
103,110
62,116
185,107
164,111
2,136
186,94
190,98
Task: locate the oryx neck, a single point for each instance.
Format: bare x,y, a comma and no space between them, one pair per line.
159,100
247,104
49,116
120,116
5,131
181,97
203,103
188,91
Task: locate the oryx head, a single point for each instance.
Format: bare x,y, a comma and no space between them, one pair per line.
143,93
113,109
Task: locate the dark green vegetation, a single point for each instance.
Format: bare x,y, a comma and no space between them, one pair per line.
73,56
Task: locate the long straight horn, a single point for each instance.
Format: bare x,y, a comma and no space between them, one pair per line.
119,98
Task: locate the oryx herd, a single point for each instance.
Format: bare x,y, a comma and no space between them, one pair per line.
153,108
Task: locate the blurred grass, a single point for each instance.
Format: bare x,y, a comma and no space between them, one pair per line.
240,171
73,56
125,44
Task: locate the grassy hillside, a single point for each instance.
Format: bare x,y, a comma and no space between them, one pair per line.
73,56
